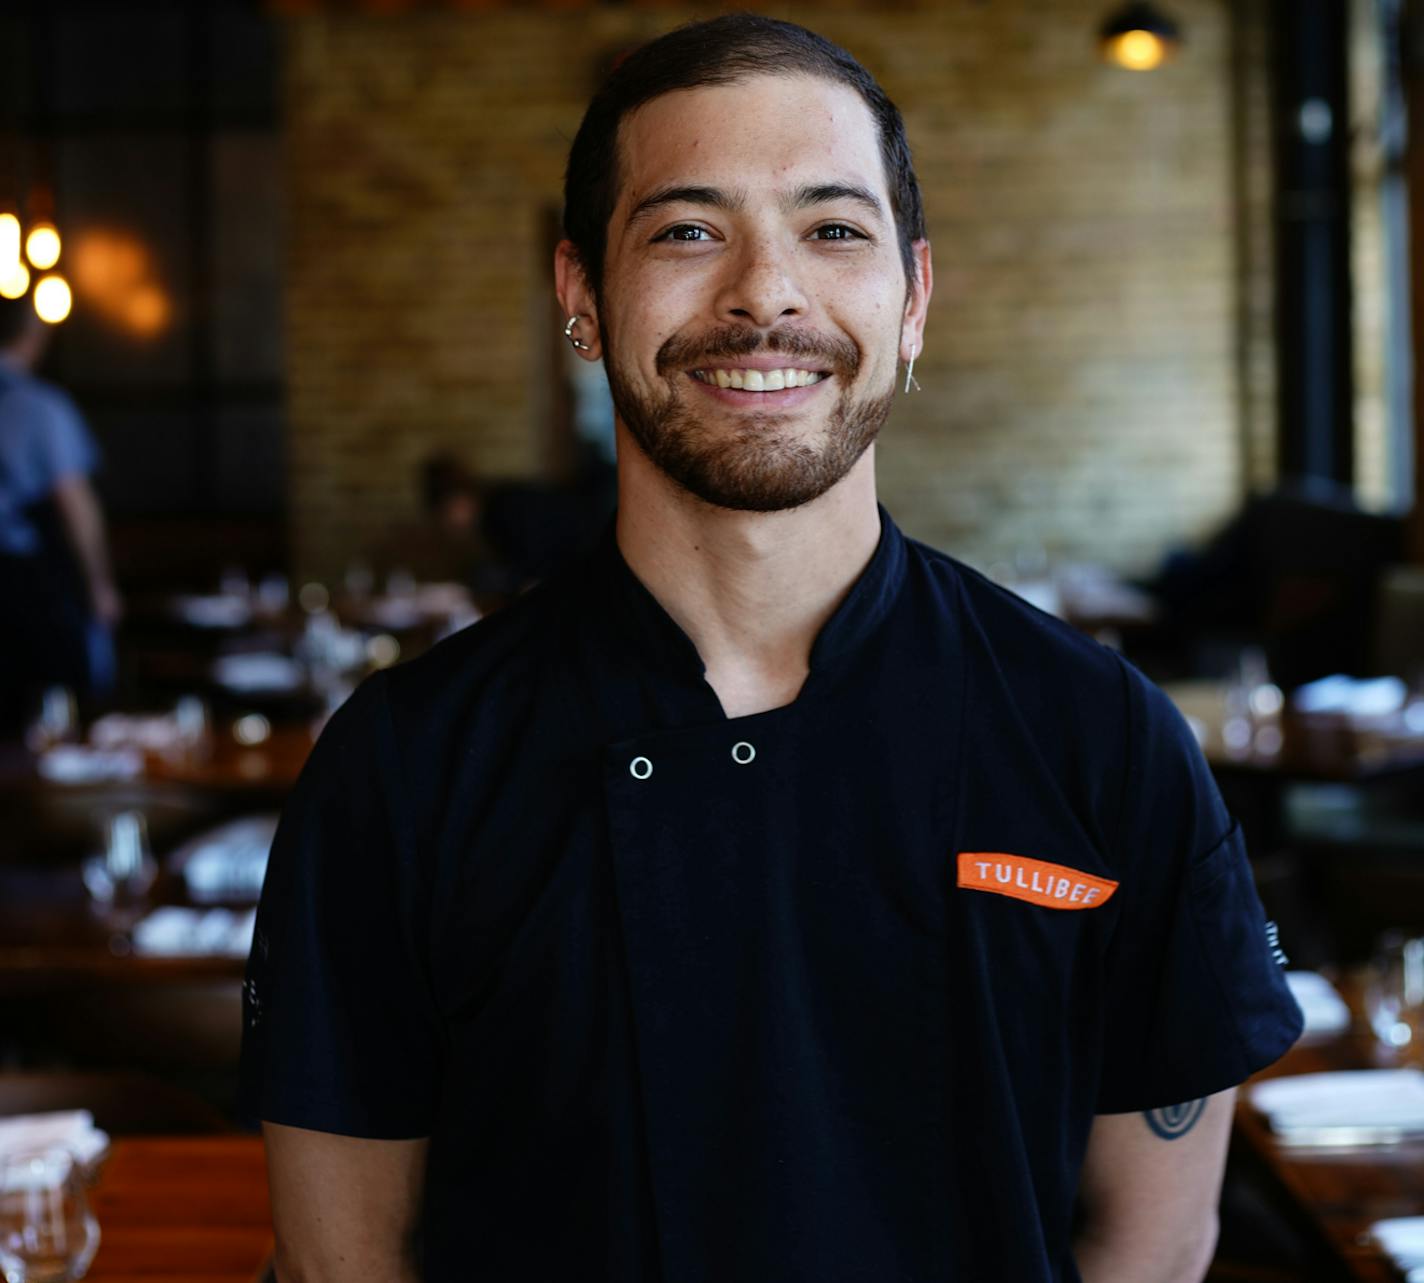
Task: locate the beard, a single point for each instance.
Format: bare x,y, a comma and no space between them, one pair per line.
760,464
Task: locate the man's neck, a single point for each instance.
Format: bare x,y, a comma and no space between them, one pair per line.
752,590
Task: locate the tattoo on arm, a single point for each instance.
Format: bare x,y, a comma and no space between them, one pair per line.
1172,1122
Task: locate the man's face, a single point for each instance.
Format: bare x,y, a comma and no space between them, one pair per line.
754,300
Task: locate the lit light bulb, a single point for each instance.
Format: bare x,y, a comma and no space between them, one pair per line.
14,281
42,246
53,299
1137,50
9,244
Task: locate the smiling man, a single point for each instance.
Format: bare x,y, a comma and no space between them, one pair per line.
772,898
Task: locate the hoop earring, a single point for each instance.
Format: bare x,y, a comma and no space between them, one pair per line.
578,343
912,383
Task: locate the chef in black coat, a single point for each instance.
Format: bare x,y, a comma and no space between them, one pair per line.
770,897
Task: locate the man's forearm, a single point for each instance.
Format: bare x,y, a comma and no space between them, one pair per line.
1107,1256
288,1271
83,521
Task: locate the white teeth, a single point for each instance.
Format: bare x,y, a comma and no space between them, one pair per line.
759,380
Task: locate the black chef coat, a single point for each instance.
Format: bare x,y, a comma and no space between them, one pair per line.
827,993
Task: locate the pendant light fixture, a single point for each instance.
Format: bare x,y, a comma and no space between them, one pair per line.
1139,37
52,297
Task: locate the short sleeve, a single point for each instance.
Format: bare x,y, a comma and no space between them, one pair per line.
63,443
339,1028
1196,996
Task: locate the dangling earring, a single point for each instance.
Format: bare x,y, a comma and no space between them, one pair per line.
569,334
910,380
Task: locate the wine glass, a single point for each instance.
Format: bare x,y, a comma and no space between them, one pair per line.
1395,993
47,1232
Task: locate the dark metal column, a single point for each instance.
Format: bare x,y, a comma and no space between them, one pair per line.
1315,358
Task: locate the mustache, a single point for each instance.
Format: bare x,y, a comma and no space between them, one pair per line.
822,351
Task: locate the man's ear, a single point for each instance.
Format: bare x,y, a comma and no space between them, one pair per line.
917,303
577,300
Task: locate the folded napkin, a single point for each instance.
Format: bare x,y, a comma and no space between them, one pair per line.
443,598
174,931
228,863
76,764
225,610
1361,1106
257,671
70,1131
1324,1009
1352,696
1402,1239
393,612
155,731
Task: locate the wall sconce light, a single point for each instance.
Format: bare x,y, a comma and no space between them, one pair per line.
1139,37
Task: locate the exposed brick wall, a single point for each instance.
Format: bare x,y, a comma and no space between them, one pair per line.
1082,390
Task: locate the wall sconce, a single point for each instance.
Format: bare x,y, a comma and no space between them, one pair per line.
1139,37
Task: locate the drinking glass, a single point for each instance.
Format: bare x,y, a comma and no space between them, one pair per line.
47,1232
1395,992
121,877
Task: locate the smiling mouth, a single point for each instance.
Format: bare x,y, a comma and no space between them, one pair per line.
759,380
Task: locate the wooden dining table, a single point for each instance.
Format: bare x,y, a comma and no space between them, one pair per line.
1336,1193
182,1210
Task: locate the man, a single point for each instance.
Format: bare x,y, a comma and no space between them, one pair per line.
60,599
774,898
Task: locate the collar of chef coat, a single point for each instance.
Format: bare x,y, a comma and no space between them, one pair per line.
652,643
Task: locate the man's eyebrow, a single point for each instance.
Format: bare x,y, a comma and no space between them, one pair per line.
828,193
713,197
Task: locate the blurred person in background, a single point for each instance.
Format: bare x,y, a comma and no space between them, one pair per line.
60,601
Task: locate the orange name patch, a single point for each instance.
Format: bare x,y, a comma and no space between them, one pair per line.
1055,886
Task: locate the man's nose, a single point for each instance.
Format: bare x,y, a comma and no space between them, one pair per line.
761,287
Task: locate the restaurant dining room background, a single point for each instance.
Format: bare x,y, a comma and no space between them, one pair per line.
307,323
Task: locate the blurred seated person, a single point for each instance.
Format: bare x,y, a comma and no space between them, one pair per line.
536,527
1295,571
500,537
60,602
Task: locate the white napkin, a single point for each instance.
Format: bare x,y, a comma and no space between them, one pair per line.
1352,696
225,610
227,863
257,671
77,764
174,931
72,1130
443,598
1360,1106
394,613
1402,1238
1324,1009
123,730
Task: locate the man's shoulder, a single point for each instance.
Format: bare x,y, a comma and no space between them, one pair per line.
494,665
1027,645
20,390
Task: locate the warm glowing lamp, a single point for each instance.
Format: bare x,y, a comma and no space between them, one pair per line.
42,246
1139,37
53,299
9,243
14,280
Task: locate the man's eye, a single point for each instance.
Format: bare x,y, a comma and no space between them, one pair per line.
683,232
838,232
